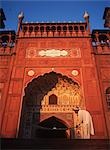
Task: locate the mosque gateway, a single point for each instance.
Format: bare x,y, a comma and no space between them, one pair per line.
55,81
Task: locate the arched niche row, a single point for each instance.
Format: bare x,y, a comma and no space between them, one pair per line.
53,28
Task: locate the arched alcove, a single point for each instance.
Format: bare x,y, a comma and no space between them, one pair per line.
51,128
35,92
53,99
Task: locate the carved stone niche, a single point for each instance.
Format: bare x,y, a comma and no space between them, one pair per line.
3,74
31,52
65,95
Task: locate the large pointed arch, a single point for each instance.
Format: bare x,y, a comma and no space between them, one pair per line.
34,93
41,85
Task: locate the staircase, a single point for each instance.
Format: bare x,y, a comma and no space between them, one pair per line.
59,144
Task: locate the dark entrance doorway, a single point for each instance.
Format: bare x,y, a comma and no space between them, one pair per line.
51,128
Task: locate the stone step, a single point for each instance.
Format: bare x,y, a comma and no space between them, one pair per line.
59,144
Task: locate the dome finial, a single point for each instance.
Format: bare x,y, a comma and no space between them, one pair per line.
20,18
86,15
21,15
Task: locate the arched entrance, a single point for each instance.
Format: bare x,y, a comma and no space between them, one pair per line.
51,128
50,92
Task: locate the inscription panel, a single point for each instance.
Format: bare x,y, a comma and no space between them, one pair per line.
32,52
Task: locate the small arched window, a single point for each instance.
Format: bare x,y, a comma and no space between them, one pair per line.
76,28
48,28
30,29
70,28
108,97
36,28
24,29
53,28
52,99
82,28
59,28
42,28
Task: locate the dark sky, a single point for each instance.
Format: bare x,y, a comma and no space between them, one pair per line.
54,10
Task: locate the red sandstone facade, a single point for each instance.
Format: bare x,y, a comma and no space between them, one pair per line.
68,49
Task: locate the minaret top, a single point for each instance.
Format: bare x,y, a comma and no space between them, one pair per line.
20,18
21,15
86,15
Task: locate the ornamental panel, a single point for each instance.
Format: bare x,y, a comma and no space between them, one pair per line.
32,52
105,73
68,96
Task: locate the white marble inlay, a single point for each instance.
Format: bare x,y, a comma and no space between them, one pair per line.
53,53
31,73
75,72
